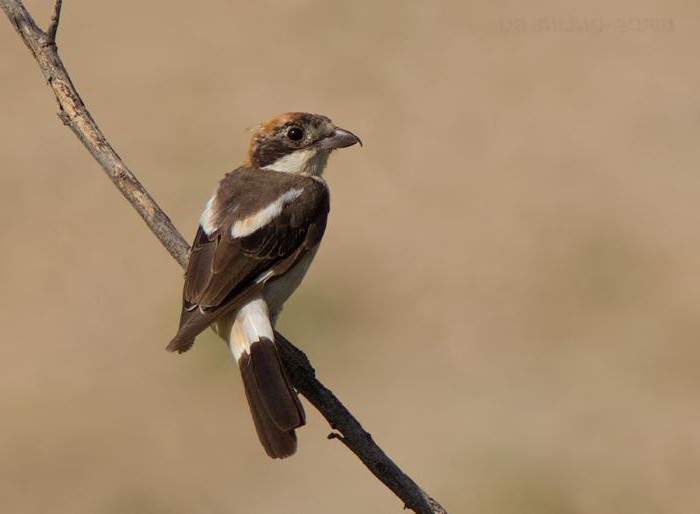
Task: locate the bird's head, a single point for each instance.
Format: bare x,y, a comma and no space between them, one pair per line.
297,142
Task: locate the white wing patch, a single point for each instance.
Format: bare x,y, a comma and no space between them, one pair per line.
259,219
206,220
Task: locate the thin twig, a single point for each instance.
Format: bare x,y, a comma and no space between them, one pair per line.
74,114
53,24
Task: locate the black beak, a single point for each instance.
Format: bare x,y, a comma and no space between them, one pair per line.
339,138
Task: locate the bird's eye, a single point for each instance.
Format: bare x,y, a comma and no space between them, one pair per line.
295,134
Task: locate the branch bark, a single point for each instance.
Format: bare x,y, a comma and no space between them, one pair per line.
75,115
55,18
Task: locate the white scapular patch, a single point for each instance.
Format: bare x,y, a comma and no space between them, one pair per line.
251,324
206,220
259,219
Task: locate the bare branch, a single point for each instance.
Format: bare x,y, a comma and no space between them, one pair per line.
74,114
352,435
53,25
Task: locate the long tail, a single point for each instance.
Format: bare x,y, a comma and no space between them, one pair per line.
273,402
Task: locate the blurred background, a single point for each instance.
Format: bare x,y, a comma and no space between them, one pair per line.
507,295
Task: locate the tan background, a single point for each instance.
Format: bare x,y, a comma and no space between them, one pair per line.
507,297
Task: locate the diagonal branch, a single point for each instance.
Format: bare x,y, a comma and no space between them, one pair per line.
352,435
75,115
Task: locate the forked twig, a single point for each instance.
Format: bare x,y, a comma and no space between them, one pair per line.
75,115
53,24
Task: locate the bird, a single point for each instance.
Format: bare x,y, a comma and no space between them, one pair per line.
256,238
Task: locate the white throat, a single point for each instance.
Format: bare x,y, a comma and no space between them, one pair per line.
308,161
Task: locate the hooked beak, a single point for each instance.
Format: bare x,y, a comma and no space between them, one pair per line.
339,138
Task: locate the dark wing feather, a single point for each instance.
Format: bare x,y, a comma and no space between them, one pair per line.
222,269
198,274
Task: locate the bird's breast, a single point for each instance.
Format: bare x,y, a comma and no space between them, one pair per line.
277,291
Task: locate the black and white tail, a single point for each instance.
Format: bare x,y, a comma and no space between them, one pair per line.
273,402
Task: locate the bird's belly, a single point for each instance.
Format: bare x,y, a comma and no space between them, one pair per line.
278,291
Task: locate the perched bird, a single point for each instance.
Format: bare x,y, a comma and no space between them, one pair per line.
256,239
